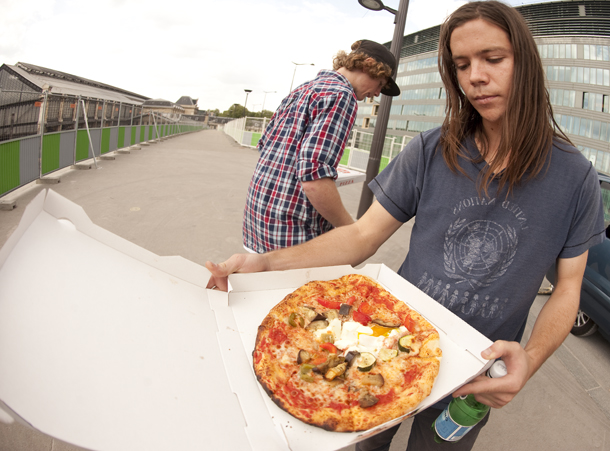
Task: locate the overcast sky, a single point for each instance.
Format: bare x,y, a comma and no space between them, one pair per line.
210,50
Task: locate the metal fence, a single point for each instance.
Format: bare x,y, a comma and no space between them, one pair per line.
42,133
247,132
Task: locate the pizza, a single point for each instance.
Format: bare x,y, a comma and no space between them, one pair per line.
346,355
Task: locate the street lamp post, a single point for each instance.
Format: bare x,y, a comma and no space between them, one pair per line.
265,98
372,168
295,71
248,91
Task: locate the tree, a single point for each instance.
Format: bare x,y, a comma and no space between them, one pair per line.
236,110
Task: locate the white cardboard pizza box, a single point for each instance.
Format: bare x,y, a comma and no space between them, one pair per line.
348,177
111,347
461,344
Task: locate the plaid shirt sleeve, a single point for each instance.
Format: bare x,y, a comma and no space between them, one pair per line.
331,119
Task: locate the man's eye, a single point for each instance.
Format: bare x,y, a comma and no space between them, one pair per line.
495,60
461,66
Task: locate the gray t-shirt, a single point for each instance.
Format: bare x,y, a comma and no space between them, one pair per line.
485,258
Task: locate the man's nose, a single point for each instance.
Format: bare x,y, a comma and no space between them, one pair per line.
478,73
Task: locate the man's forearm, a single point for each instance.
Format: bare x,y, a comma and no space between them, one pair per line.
556,318
325,198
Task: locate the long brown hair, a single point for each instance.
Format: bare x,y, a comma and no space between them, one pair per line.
528,124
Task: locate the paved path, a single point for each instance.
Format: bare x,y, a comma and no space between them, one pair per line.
185,196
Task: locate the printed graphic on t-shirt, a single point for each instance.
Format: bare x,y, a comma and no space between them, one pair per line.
476,253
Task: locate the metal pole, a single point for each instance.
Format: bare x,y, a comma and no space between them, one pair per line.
42,122
156,128
78,99
89,135
383,115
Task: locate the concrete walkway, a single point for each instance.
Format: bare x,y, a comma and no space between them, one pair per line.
185,196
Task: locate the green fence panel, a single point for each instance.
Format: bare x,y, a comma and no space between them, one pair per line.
105,146
150,132
142,130
383,162
133,136
345,157
82,145
121,139
50,153
255,138
9,166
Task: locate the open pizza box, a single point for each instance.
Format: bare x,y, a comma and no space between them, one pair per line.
108,346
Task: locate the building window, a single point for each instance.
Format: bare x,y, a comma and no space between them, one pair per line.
423,94
396,109
375,110
419,79
584,127
586,75
562,97
422,64
595,102
597,52
557,51
365,122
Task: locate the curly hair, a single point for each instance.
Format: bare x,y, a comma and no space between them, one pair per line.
356,60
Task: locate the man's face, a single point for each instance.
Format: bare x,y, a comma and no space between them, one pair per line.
484,61
366,86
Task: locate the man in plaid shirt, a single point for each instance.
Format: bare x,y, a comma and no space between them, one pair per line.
292,197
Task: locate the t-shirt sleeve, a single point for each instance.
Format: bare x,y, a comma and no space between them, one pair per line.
398,187
587,228
331,119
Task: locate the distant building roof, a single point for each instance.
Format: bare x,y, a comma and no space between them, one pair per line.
63,83
161,103
186,100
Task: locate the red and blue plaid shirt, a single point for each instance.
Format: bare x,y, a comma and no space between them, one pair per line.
304,141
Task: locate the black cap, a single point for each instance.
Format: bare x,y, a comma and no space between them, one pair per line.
381,54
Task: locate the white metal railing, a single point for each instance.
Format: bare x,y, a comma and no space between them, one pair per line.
247,132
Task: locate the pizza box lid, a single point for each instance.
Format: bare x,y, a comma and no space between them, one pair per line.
253,295
110,347
348,177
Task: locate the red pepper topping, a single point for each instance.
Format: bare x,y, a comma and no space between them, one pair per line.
365,308
361,318
329,347
329,304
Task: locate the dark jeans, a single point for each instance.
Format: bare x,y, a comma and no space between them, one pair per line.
422,437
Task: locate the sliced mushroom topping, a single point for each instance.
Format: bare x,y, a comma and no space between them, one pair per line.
373,379
303,357
350,357
318,324
332,314
383,323
308,313
332,361
367,400
319,317
336,371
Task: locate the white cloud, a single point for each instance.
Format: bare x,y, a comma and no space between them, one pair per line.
207,49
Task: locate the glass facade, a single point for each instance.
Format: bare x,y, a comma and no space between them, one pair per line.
576,61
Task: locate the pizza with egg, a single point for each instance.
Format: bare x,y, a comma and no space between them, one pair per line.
346,355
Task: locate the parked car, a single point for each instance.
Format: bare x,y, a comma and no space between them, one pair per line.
594,312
